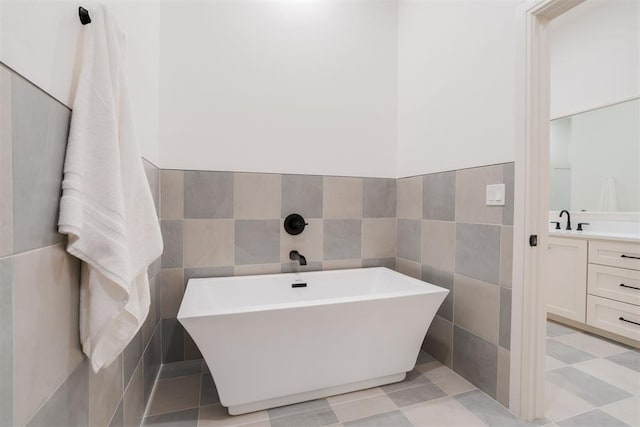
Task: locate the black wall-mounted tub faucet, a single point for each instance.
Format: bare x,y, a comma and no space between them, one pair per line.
296,256
568,218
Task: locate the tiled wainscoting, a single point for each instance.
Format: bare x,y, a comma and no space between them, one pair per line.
45,378
225,224
448,236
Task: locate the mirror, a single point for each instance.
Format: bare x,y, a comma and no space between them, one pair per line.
595,160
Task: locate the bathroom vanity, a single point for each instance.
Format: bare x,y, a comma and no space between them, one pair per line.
594,283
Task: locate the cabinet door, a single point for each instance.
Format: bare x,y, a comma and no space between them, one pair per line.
567,279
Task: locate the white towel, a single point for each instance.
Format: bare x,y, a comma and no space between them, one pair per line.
106,207
608,198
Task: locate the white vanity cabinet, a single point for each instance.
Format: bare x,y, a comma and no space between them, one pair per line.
567,282
595,283
613,300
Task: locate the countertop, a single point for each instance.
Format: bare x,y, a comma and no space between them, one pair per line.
599,235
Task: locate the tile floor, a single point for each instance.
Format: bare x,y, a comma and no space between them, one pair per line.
590,382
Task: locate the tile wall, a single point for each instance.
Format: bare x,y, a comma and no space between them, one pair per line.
46,380
449,237
225,224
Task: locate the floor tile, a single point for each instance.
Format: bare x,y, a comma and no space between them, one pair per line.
323,417
448,381
208,391
217,416
180,369
563,404
188,418
627,411
595,418
356,395
489,410
612,373
586,387
411,396
566,353
556,330
592,345
389,419
364,408
629,359
443,412
175,394
553,363
423,358
414,378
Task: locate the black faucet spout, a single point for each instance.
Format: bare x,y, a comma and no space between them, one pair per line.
297,256
568,218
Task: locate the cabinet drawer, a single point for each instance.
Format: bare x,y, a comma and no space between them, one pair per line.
615,254
614,283
608,315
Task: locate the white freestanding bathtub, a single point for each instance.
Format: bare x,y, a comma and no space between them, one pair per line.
278,339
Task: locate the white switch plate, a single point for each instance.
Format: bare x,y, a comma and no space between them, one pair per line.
495,195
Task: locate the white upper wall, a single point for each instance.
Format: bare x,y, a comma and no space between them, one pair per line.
456,84
595,56
279,86
41,40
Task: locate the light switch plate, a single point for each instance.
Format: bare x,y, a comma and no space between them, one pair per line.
495,195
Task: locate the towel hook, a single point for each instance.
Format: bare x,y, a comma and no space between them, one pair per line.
84,15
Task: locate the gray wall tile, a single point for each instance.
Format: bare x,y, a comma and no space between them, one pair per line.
409,241
309,243
153,178
290,267
118,417
476,360
6,342
444,279
438,244
471,195
379,198
6,170
379,237
134,399
208,243
172,194
191,350
410,197
410,268
439,340
69,405
40,128
208,195
342,239
172,237
172,341
105,393
46,295
172,291
152,360
506,256
390,263
257,196
505,318
439,201
504,374
478,251
342,198
257,241
477,307
509,183
197,273
131,356
302,194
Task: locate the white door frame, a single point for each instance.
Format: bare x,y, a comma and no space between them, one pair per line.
531,207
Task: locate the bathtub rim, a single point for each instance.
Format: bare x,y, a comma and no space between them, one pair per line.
430,288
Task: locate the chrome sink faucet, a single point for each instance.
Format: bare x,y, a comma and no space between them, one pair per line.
568,218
